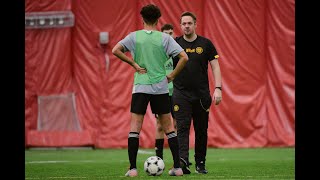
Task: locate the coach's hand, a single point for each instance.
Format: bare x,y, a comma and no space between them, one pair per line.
217,96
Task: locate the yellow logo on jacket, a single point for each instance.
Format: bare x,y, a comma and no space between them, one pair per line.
189,50
176,108
199,50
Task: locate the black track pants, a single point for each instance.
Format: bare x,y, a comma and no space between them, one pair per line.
185,110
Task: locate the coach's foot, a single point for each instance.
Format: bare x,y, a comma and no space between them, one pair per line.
132,173
200,168
176,172
185,166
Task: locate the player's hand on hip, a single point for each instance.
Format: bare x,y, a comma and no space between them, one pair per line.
169,78
139,69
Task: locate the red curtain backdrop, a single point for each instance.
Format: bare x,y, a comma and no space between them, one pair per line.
255,41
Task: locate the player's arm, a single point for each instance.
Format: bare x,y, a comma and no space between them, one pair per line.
183,58
118,50
217,95
175,50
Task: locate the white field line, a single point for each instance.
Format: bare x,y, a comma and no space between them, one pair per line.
48,162
145,152
53,162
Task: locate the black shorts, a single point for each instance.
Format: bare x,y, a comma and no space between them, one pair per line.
160,103
171,108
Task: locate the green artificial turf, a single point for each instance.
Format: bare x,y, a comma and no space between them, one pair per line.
88,164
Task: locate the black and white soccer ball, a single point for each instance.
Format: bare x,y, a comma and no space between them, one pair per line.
154,166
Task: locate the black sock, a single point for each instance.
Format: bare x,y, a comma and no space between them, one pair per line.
174,147
159,148
133,146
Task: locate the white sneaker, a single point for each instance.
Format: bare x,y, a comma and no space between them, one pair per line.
132,173
176,172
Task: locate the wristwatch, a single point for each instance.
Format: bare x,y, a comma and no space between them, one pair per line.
219,88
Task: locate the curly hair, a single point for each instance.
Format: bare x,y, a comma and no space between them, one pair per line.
150,13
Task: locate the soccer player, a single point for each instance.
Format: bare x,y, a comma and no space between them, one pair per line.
150,50
191,94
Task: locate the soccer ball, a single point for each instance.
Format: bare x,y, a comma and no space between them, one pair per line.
154,166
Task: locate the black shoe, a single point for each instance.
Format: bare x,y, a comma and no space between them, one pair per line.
185,166
200,169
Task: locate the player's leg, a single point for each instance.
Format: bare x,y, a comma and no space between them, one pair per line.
138,109
160,105
159,138
165,120
175,125
172,114
160,133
